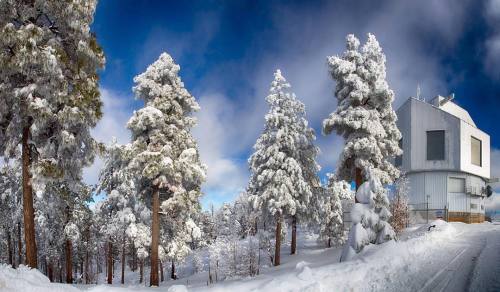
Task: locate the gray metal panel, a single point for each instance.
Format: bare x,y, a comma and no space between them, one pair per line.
436,189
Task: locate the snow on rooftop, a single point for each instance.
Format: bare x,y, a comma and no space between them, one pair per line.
452,108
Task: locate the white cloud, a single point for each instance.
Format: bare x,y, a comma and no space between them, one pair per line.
492,43
492,203
117,110
221,138
495,166
230,119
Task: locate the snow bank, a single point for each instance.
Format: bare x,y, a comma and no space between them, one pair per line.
26,279
385,267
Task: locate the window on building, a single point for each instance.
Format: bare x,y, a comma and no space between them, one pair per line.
456,185
476,155
473,206
399,159
435,145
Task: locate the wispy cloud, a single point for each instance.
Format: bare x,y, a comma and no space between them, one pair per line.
116,112
492,43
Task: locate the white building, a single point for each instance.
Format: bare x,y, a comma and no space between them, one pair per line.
446,158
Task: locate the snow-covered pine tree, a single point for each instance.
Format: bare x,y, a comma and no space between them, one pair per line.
365,119
399,205
10,208
49,92
116,211
278,186
307,153
331,222
164,155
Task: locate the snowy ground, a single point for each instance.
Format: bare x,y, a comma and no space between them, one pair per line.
451,257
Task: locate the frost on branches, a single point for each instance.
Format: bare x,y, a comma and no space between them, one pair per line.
364,116
399,205
331,223
365,119
163,154
50,95
369,218
282,165
49,84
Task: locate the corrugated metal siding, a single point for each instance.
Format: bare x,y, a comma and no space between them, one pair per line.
457,202
436,188
433,184
416,195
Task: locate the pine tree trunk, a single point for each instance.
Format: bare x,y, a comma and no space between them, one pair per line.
60,271
134,258
162,277
28,210
123,261
109,264
294,235
69,264
50,271
87,266
172,272
155,228
329,242
19,245
141,270
359,181
87,279
277,246
9,249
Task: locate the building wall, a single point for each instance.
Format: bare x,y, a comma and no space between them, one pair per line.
425,117
466,131
435,185
404,126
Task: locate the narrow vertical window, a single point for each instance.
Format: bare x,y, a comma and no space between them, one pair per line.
435,145
476,155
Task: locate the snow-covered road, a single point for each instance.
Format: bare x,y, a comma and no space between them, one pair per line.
451,257
458,274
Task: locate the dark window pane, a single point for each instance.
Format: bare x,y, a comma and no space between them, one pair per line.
435,145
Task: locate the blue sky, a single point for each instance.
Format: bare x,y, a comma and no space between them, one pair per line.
228,51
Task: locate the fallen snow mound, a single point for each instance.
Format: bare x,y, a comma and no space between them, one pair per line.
27,280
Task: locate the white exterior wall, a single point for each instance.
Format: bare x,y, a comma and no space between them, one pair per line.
435,184
466,131
431,178
425,117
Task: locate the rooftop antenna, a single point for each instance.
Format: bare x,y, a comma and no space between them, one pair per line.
418,91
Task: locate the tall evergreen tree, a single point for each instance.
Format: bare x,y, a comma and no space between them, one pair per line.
163,153
279,186
366,120
49,92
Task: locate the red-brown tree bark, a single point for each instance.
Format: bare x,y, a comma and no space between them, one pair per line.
155,234
69,263
28,210
277,246
294,236
123,261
